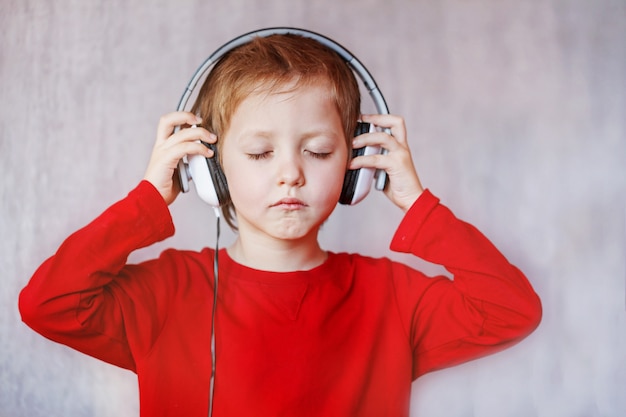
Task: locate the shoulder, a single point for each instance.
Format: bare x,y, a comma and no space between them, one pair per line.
357,259
383,272
173,257
175,266
379,266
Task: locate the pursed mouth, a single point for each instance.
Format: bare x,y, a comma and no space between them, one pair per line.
289,204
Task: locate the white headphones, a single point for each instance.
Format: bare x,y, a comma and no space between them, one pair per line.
208,178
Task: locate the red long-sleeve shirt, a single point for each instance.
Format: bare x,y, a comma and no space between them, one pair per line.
344,339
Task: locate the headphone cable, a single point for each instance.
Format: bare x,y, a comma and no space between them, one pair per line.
215,281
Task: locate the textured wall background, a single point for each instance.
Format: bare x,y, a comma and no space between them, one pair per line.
516,113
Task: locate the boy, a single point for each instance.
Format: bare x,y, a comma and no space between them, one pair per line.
300,331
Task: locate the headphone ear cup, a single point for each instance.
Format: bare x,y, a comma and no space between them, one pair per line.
208,178
357,182
217,176
350,181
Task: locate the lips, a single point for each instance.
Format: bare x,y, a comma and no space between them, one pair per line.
289,204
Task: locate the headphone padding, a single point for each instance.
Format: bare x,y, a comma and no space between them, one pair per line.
218,177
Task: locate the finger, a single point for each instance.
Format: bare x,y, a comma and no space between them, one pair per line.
192,148
169,121
381,139
168,159
395,123
398,156
377,161
190,135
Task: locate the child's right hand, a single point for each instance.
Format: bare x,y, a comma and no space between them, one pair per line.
171,147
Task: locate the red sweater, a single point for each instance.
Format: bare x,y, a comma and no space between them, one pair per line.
344,339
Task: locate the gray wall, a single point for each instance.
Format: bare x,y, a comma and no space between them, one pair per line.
515,111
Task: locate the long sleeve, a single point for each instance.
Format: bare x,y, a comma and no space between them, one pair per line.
344,338
72,297
488,305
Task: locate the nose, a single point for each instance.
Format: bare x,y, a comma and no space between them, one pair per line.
290,171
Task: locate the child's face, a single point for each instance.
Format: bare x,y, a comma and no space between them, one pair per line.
284,157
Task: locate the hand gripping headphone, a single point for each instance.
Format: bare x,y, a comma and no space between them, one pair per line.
208,177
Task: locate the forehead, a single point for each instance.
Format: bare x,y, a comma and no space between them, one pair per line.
292,85
288,101
304,109
294,116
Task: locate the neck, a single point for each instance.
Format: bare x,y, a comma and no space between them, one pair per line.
276,254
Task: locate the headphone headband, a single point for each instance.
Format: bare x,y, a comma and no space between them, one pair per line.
353,62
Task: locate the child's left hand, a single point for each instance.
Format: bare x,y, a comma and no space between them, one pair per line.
404,185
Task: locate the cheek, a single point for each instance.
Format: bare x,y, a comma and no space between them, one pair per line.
330,182
242,185
235,178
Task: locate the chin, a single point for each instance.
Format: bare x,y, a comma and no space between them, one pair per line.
295,230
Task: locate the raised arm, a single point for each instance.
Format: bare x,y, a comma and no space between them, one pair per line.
487,305
73,298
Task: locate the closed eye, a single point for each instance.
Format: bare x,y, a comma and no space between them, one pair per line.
259,156
319,155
